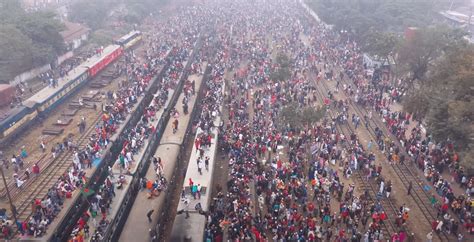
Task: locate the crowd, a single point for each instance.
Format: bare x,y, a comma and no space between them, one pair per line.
115,113
285,182
179,46
294,194
377,94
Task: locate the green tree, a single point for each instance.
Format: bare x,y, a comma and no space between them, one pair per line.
297,117
426,46
27,40
15,52
447,101
282,70
362,17
381,44
43,29
91,12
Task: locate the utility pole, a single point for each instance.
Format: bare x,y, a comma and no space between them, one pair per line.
8,195
470,16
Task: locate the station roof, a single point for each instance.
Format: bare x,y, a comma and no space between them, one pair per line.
73,31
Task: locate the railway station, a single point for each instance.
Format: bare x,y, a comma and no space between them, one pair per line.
242,121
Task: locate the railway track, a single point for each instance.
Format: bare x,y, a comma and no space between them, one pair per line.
49,177
405,175
367,186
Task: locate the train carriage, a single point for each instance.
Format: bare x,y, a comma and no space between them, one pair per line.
130,39
49,98
15,119
109,54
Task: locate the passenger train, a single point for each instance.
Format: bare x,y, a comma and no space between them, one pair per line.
40,104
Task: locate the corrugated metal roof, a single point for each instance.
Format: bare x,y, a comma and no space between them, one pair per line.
73,31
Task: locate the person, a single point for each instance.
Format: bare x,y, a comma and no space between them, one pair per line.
186,205
409,188
206,163
388,190
429,237
27,174
82,125
381,189
433,200
148,215
198,191
19,182
199,165
24,154
185,108
35,169
42,146
175,126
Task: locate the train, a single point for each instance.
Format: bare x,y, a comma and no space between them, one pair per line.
172,149
47,99
129,39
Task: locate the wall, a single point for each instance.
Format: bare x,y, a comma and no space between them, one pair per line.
64,57
28,75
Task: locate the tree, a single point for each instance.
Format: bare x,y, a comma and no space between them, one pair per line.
426,46
381,44
15,52
281,72
90,12
43,29
27,40
363,16
297,117
447,100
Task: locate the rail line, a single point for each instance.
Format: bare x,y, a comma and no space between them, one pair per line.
50,176
389,208
403,171
419,195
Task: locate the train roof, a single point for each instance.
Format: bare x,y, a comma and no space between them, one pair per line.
127,36
29,103
47,92
96,59
7,115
